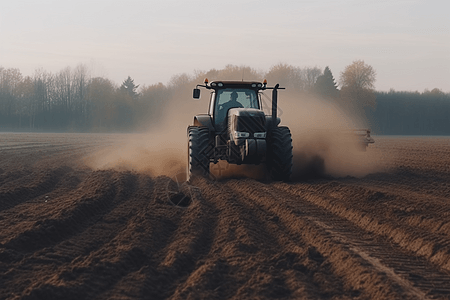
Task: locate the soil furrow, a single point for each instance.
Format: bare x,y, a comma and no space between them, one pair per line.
421,242
314,269
32,186
241,243
72,215
76,263
398,259
356,277
188,245
356,239
414,209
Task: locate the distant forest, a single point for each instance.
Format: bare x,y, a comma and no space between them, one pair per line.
73,101
411,113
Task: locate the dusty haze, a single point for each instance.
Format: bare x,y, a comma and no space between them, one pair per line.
321,145
323,141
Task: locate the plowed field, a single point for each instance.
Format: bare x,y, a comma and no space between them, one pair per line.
68,231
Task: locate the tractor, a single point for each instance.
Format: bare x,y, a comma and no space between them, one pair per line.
236,130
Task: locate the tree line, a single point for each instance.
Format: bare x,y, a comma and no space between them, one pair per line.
411,113
73,100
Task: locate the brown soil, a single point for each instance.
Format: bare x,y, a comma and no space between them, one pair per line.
71,232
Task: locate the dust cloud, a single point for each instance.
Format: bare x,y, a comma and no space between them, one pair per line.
162,149
144,153
324,144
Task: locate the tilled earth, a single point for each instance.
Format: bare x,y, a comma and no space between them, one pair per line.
70,232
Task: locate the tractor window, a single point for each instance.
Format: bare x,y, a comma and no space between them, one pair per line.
211,104
233,98
246,97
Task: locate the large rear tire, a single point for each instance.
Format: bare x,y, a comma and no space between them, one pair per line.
198,151
279,154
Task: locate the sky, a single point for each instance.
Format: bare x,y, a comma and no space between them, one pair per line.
407,42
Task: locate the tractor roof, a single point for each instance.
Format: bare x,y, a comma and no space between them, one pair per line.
222,84
235,82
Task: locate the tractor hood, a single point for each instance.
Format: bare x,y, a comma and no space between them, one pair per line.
249,120
248,112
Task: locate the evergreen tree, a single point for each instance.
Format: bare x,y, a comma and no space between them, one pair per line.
326,85
128,87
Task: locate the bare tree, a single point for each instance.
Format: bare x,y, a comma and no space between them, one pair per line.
151,103
357,82
287,76
80,80
44,92
9,81
101,95
310,75
25,98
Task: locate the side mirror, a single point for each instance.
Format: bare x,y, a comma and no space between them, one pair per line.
196,94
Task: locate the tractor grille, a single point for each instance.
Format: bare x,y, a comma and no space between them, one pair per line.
250,124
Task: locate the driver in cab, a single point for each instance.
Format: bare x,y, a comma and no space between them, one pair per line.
223,108
232,103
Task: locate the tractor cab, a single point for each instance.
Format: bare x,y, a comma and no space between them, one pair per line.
223,100
230,94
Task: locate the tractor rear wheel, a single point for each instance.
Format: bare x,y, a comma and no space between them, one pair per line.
279,154
198,151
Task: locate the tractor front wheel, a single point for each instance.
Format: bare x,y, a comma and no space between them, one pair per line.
198,151
279,154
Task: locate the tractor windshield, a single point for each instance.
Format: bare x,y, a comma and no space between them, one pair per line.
246,97
233,98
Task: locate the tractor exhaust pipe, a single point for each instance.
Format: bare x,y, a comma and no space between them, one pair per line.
275,105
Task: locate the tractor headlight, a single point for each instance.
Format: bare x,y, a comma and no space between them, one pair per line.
240,134
260,135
